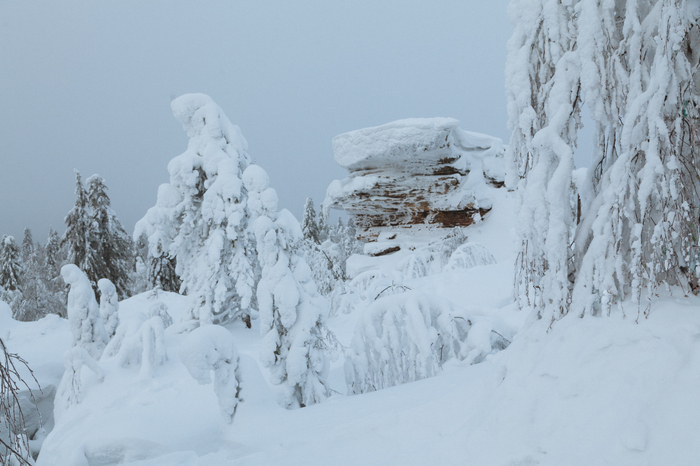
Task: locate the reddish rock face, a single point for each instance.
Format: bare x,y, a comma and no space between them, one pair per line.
412,173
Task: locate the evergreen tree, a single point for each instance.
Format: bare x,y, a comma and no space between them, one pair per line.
322,222
86,326
78,239
11,274
161,274
54,259
292,313
52,254
10,265
27,245
309,227
141,247
201,216
112,246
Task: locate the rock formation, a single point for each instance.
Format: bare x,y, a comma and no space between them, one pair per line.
415,173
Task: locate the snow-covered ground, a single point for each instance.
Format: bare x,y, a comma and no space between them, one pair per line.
592,391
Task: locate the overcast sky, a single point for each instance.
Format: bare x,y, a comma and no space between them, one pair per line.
87,85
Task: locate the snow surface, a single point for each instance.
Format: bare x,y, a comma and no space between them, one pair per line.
585,392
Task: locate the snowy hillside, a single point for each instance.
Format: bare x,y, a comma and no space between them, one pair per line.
588,391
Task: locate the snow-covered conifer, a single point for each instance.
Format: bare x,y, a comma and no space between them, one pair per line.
322,222
200,216
138,277
40,296
52,256
27,245
109,306
80,236
162,274
86,325
110,242
10,265
292,313
309,225
210,349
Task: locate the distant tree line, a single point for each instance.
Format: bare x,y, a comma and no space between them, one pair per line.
95,241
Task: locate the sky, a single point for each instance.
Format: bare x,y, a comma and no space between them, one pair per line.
87,85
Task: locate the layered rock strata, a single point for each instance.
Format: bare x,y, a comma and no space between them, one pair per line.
415,173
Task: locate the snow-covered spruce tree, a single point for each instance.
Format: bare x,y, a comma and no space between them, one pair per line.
87,328
292,312
320,263
52,254
309,225
322,222
109,306
10,265
11,274
54,258
162,274
111,243
200,216
637,219
138,276
79,237
39,295
27,245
